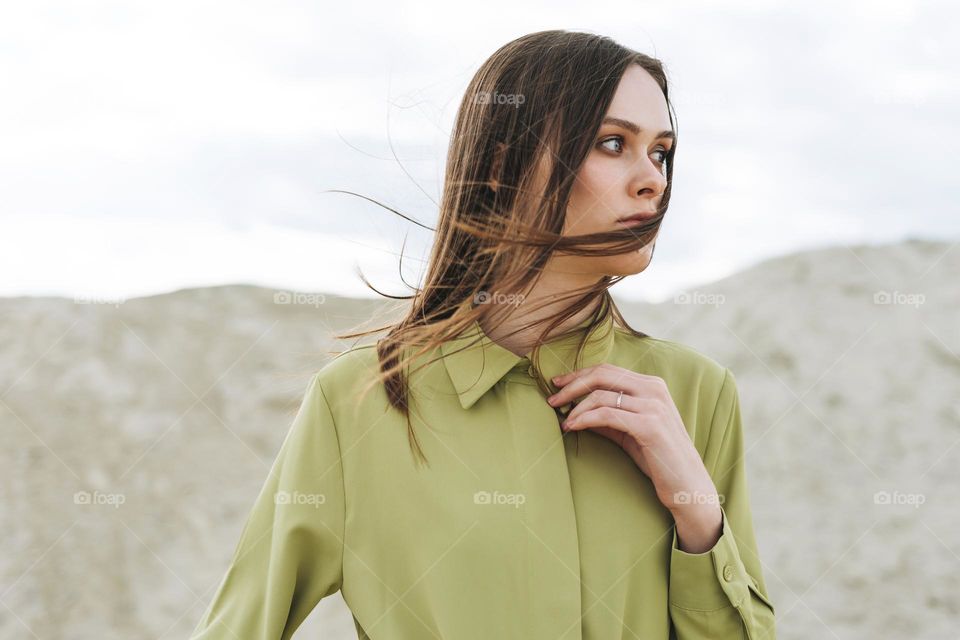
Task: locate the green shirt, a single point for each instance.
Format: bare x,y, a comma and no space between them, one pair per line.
511,533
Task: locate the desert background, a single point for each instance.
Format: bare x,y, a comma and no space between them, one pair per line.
179,246
171,407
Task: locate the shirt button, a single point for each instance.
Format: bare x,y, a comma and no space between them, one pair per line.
728,573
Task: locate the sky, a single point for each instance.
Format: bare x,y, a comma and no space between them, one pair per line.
149,147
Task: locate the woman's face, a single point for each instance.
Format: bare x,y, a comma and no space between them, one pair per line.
624,175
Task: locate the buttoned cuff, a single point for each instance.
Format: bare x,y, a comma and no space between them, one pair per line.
710,580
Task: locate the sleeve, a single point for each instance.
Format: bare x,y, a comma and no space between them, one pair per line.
721,593
290,552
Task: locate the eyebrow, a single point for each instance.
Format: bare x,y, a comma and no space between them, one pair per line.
635,130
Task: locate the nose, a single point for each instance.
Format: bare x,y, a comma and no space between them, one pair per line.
647,180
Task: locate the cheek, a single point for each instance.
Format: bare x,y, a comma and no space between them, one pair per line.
594,184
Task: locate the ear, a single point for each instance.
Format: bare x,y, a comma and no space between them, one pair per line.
496,168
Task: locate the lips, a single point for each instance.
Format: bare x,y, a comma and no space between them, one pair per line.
636,218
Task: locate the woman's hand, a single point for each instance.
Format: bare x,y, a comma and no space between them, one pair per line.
649,428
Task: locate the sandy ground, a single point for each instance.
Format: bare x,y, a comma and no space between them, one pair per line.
165,413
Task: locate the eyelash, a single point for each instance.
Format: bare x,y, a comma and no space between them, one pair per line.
665,151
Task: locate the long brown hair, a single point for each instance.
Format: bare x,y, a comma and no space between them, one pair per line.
524,127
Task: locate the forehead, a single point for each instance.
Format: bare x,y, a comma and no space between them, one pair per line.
639,99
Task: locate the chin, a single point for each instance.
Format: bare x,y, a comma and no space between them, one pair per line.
628,264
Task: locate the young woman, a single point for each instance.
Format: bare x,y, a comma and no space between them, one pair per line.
512,460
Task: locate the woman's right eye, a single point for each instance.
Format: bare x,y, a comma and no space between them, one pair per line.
618,139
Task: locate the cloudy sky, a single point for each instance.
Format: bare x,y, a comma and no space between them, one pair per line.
152,146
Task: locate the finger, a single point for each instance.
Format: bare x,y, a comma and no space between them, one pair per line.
603,376
602,397
566,378
606,376
602,417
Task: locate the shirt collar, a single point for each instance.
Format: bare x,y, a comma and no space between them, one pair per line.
474,369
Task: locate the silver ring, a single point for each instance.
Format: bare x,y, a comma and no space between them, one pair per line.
619,399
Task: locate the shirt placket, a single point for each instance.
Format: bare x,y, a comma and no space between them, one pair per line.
548,512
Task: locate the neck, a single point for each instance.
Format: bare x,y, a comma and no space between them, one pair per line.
502,323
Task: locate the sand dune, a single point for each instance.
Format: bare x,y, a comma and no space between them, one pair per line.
136,436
